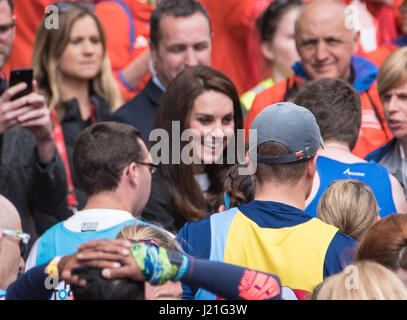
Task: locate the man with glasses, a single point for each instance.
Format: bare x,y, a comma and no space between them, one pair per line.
12,244
114,168
32,175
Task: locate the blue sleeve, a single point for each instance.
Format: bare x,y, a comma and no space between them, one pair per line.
30,286
339,254
195,240
232,282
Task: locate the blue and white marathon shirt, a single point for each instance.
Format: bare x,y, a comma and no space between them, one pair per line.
83,226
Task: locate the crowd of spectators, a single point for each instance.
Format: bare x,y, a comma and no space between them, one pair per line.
203,149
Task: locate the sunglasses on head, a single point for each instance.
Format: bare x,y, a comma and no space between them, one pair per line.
25,238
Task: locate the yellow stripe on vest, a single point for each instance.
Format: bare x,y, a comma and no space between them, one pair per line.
295,254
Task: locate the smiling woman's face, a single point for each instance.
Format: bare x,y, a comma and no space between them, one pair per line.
212,123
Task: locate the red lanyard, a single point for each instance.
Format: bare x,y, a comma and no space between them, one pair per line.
61,147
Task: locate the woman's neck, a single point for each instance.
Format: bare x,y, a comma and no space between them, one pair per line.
279,75
78,90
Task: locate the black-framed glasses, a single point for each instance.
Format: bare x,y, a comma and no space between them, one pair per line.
64,6
25,238
151,166
5,28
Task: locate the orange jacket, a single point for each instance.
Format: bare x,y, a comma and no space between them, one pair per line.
373,132
127,28
380,54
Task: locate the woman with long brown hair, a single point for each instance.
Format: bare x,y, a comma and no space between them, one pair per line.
201,113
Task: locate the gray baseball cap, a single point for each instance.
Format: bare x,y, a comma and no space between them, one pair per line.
291,125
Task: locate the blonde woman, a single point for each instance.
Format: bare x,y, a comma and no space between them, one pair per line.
73,73
363,280
349,205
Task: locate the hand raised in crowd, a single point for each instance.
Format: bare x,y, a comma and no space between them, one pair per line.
31,112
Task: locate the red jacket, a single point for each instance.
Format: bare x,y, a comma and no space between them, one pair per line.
127,28
231,20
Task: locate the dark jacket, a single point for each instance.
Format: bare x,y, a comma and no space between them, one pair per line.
35,190
140,111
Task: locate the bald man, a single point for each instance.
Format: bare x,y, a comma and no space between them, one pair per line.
11,261
326,41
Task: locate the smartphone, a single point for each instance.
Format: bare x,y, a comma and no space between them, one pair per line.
21,75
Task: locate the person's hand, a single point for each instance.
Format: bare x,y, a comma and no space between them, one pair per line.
37,120
30,111
11,110
109,254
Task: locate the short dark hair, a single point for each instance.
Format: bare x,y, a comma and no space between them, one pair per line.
101,153
268,21
337,107
175,8
99,288
285,172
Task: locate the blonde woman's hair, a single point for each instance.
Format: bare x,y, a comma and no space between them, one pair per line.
349,205
363,280
140,232
393,71
49,46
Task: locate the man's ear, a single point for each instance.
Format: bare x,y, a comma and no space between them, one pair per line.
312,166
130,172
251,165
